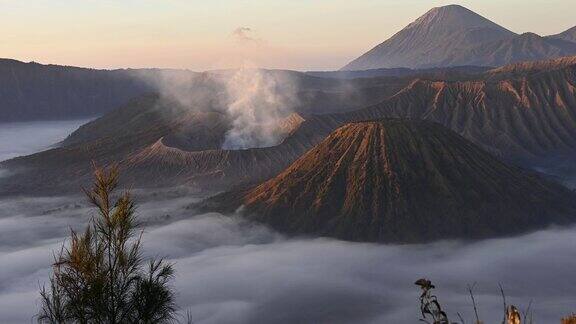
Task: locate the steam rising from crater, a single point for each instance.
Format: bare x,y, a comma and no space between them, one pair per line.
259,101
256,102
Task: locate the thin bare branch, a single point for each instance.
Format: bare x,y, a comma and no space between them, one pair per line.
470,290
504,302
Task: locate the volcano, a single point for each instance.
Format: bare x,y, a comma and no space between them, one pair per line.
428,40
522,113
403,181
456,36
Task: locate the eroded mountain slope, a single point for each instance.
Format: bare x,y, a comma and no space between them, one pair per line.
521,113
403,181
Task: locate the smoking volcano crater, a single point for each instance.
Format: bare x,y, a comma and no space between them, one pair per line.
212,131
244,108
204,131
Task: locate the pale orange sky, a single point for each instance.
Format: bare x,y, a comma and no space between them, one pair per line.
198,34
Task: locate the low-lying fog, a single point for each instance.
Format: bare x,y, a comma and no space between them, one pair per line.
231,271
22,138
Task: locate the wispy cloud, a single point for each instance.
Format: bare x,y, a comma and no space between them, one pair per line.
246,35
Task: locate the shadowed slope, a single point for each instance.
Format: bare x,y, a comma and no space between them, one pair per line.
523,113
32,91
525,47
404,181
568,35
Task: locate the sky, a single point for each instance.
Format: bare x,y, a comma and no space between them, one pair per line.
203,35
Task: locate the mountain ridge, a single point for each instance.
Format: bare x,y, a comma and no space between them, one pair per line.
456,36
518,115
33,91
521,113
568,35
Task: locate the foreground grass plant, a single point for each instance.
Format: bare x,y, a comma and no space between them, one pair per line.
101,276
433,313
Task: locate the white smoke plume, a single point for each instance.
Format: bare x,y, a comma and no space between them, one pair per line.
253,100
197,91
258,101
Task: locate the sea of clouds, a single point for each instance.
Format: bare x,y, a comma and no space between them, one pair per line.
229,270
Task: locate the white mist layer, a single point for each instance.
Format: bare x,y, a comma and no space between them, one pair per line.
23,138
232,271
259,100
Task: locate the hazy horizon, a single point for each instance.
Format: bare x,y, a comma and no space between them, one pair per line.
23,138
224,33
281,197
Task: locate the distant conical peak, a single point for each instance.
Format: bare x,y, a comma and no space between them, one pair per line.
437,38
451,8
453,14
454,35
